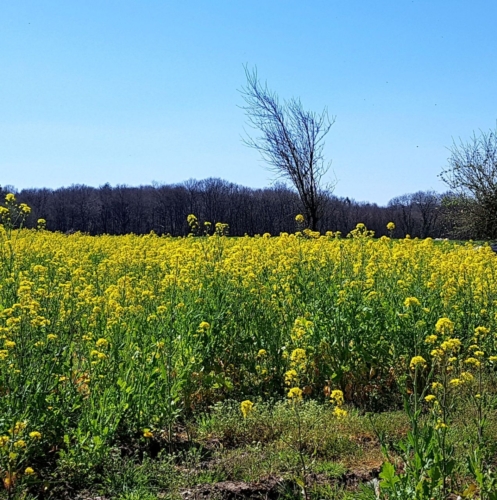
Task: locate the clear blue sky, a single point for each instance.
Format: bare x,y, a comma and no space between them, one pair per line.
130,92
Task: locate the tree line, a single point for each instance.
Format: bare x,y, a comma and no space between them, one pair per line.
164,209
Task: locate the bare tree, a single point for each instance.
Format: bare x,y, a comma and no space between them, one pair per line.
472,175
291,142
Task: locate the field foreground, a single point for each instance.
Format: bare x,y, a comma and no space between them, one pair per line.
329,367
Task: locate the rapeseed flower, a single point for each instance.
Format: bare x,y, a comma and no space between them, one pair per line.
295,393
246,407
336,397
412,302
417,361
444,326
339,412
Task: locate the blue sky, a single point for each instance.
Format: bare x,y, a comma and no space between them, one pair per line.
130,92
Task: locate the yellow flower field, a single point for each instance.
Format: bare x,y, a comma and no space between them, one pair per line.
119,337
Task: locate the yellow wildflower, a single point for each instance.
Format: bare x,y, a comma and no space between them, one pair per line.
147,434
437,353
440,425
456,382
444,326
481,330
101,342
29,471
295,393
298,356
417,361
411,302
35,435
336,397
246,407
339,412
290,376
430,398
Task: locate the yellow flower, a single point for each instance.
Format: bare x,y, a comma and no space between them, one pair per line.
51,336
473,361
147,434
391,226
20,444
4,440
10,198
24,208
299,218
456,382
298,356
493,359
467,377
437,353
440,425
450,345
18,427
481,330
336,397
290,376
3,354
436,385
246,407
430,398
102,342
35,435
204,326
417,360
295,393
9,344
411,301
339,412
261,353
29,471
431,339
444,326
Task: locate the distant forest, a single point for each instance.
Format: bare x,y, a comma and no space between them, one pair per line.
164,209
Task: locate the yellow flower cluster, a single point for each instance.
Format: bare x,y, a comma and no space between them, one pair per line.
246,407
